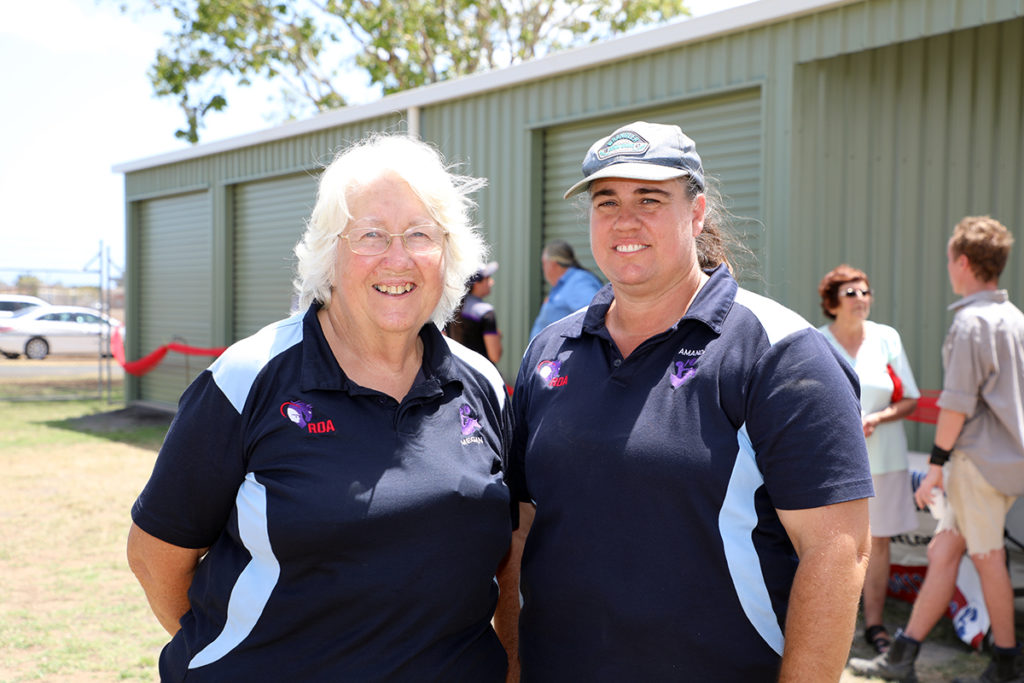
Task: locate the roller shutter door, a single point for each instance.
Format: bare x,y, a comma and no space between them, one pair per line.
269,217
727,131
175,280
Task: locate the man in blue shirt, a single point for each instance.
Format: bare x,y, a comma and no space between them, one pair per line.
572,286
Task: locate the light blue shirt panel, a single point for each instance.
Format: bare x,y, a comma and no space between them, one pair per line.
736,522
256,582
236,369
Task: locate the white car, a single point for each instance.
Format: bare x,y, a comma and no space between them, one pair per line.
12,303
40,331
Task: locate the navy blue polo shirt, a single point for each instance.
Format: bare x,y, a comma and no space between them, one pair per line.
352,537
656,553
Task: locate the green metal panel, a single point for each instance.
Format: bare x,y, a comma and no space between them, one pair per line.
195,235
270,217
174,260
895,145
881,153
727,130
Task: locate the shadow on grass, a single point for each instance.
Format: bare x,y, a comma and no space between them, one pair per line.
134,425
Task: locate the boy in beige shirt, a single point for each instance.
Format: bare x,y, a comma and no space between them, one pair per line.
980,431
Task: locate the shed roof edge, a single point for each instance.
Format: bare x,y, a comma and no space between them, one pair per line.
733,20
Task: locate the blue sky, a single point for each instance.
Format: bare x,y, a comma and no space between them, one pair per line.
77,101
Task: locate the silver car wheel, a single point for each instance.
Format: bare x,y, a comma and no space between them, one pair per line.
36,348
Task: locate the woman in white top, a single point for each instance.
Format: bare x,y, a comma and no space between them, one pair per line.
876,353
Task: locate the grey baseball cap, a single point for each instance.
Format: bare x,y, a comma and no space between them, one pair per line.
641,151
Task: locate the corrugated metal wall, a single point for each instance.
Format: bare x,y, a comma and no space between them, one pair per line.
500,135
269,218
224,253
174,252
729,130
893,147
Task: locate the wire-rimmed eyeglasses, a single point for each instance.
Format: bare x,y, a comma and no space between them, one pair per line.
853,291
373,240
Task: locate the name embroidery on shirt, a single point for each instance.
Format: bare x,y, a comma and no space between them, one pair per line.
301,414
550,372
469,425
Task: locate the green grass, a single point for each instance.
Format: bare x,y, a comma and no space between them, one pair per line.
70,609
28,424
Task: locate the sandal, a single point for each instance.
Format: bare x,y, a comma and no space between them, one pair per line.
878,638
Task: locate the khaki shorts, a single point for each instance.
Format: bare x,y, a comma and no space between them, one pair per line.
975,510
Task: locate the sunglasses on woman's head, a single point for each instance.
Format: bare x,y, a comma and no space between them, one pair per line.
853,291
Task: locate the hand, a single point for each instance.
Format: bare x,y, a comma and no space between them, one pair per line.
932,480
869,422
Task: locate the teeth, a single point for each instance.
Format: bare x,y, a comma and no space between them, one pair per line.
394,289
630,248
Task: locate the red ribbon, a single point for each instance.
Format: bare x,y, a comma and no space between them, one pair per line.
150,361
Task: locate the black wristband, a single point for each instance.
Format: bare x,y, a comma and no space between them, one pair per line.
939,456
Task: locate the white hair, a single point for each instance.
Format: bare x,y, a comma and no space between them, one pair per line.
444,194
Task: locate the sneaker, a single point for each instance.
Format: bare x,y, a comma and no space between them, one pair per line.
896,664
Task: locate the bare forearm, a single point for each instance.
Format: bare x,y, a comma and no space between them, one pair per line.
492,342
833,543
165,573
822,614
169,603
898,410
947,428
506,616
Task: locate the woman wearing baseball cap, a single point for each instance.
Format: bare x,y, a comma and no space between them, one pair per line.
694,452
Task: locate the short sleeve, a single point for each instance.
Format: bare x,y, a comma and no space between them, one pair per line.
962,369
803,421
197,474
489,323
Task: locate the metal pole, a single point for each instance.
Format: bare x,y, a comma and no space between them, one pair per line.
99,369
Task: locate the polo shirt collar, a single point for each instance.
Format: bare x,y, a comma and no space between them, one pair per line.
710,307
995,296
320,369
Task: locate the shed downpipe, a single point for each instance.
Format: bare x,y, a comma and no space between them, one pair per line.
412,116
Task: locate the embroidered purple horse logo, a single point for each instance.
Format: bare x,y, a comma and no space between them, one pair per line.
548,371
469,423
683,370
299,412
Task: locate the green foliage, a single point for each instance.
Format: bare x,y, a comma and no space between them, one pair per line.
399,44
28,284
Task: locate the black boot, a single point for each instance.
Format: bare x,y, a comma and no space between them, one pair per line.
895,665
1007,666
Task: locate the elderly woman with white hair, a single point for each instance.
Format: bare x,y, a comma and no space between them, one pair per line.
329,502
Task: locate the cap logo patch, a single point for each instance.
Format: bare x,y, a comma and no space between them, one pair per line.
623,142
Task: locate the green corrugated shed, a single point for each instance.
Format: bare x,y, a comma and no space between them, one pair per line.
851,131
